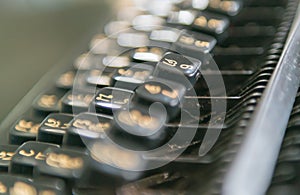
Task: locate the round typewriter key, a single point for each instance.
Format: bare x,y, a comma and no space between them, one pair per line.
25,129
147,22
133,40
17,184
211,23
147,54
110,99
86,126
139,127
168,93
66,80
98,78
194,44
178,68
48,102
6,154
112,29
130,78
182,17
76,102
28,156
54,127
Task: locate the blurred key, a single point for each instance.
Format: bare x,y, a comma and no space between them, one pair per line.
182,17
159,8
17,185
6,154
103,45
178,68
27,156
54,127
63,163
25,129
193,44
109,99
200,4
66,80
169,35
139,127
128,13
168,93
112,29
112,62
87,126
229,7
130,78
132,40
147,22
147,54
76,101
87,61
99,78
210,22
48,102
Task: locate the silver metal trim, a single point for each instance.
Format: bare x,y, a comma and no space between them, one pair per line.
252,169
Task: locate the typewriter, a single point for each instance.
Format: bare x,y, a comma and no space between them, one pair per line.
170,97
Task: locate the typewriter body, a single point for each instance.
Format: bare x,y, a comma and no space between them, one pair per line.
169,97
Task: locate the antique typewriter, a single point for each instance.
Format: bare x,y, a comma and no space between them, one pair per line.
171,97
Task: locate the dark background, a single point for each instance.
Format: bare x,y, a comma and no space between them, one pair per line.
37,34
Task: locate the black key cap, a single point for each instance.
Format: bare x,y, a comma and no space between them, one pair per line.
48,102
27,157
130,78
211,23
116,161
14,185
75,102
110,99
25,129
63,163
229,7
54,127
139,127
178,68
86,126
193,44
6,154
170,94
